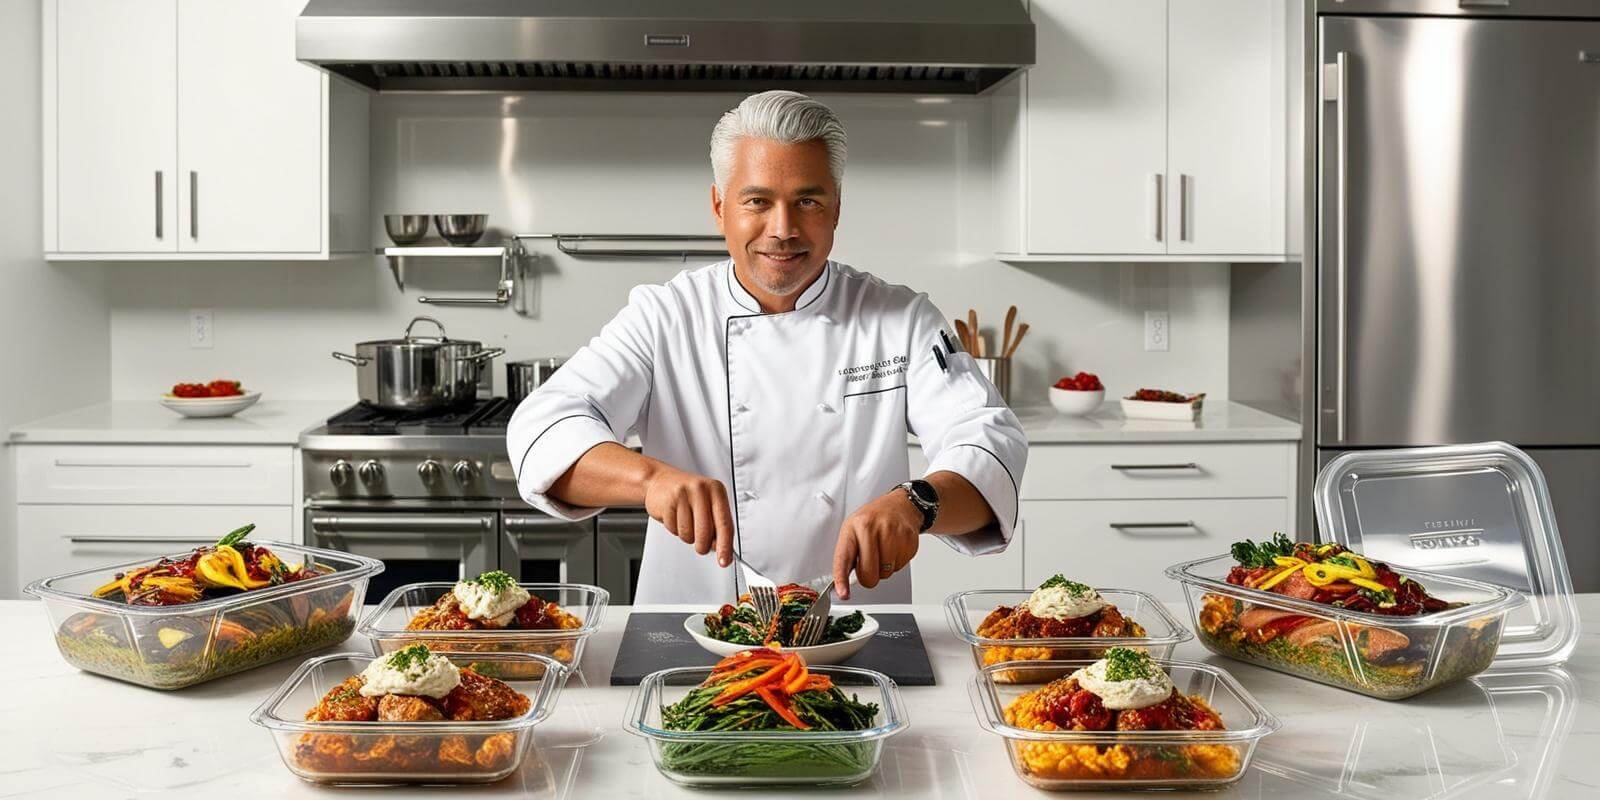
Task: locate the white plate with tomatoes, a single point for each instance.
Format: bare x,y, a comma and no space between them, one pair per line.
214,399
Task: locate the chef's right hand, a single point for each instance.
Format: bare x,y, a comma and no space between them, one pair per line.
693,507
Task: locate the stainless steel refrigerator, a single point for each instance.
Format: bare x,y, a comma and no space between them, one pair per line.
1458,237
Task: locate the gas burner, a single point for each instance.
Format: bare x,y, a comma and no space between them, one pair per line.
364,420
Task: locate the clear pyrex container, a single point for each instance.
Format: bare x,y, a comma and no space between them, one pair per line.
1061,760
765,758
171,647
966,611
1386,657
438,752
386,625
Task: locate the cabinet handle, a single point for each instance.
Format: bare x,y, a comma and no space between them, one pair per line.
134,463
1183,207
194,205
1161,205
159,232
140,540
1133,467
1140,526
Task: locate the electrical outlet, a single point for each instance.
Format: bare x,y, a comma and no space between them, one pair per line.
1157,334
200,330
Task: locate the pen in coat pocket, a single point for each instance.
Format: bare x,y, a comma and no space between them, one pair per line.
949,345
939,357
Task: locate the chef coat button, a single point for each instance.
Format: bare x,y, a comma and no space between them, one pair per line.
740,408
825,408
747,495
823,496
825,319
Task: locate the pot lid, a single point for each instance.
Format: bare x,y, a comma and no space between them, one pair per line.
1479,511
413,339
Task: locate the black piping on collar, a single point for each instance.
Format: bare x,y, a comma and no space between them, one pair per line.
827,277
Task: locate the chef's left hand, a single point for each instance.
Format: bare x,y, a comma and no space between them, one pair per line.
877,541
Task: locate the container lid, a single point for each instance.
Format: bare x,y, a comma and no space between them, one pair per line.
1479,511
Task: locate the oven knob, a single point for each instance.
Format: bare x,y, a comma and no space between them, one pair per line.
466,472
341,473
370,472
430,471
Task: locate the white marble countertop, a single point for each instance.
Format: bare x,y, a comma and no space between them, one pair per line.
1530,734
148,422
1229,422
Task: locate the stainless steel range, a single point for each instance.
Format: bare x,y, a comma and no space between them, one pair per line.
434,496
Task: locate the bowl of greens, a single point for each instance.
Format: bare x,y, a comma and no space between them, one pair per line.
762,718
731,629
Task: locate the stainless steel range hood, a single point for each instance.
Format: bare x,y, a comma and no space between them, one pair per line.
923,46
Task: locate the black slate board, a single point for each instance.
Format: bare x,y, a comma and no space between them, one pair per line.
656,640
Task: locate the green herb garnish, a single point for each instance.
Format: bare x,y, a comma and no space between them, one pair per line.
1383,598
1123,664
1072,587
407,657
496,581
236,536
1250,554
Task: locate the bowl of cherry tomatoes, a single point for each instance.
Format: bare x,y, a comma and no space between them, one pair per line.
1078,395
219,398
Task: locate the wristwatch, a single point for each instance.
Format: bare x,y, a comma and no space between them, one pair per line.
925,498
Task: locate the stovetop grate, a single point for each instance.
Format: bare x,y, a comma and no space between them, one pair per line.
489,415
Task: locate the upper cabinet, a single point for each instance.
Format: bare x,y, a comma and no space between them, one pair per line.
1149,130
186,130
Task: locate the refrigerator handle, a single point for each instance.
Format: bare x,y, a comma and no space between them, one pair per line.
1336,89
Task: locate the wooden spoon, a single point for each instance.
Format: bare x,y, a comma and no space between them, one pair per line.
1022,331
972,325
1005,343
963,335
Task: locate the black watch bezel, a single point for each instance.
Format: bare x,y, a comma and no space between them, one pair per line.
925,498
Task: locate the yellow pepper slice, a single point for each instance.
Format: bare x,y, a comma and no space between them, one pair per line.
1369,584
1277,578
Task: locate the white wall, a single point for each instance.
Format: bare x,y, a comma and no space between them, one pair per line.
916,211
53,318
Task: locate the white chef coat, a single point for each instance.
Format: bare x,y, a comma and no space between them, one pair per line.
802,416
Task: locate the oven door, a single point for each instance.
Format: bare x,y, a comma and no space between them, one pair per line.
619,550
413,545
544,549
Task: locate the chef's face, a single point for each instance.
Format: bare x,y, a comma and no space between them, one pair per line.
778,213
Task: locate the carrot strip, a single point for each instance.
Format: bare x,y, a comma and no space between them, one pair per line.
781,706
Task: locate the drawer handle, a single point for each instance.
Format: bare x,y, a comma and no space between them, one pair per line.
1146,526
1138,467
401,524
139,540
138,463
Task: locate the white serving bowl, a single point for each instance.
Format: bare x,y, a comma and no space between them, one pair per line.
818,654
210,406
1076,402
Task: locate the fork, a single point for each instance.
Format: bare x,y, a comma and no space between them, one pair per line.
812,626
763,592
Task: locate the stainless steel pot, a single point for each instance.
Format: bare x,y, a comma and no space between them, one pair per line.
419,373
522,377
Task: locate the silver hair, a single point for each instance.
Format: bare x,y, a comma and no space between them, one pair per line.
781,116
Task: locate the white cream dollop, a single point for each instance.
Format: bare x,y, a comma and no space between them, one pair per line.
433,676
1141,692
485,604
1062,602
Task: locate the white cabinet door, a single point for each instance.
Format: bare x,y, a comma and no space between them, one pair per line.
1128,544
249,130
1226,135
115,126
52,540
1097,127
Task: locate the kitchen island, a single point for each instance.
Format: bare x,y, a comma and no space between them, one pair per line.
1519,735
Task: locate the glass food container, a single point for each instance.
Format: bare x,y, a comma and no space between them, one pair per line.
765,758
378,753
1380,656
171,647
386,625
1060,760
967,610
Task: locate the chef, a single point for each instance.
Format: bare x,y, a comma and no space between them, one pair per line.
772,394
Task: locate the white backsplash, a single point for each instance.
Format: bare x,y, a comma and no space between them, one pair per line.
916,211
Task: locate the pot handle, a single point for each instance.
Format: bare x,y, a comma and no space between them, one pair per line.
421,317
486,354
359,361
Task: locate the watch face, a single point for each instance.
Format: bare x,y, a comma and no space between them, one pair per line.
924,492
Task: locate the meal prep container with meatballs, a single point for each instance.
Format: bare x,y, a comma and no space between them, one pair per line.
967,610
765,758
1071,760
174,646
1380,656
386,625
373,753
